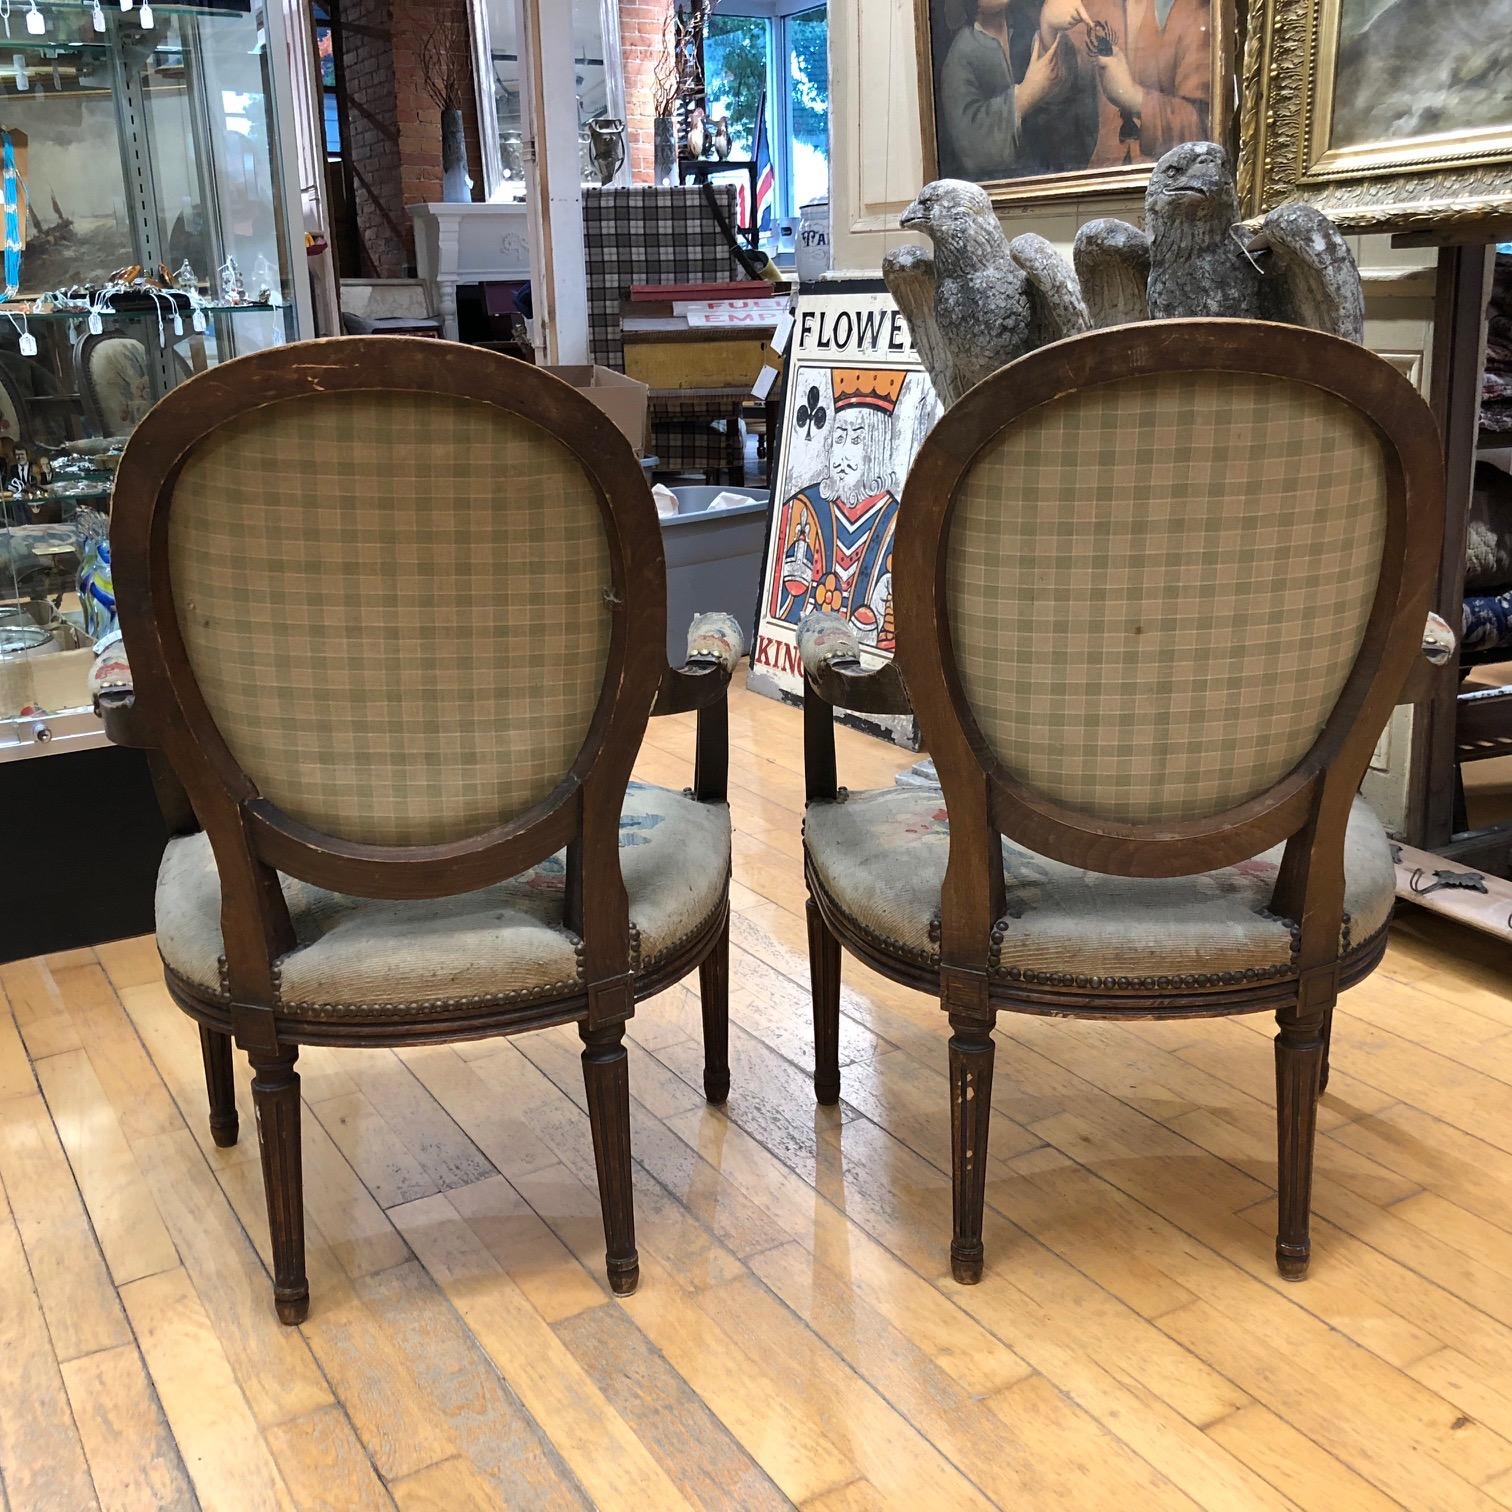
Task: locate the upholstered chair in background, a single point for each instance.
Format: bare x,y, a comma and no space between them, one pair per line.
1158,589
395,615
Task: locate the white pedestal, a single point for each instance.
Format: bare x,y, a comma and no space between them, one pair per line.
463,243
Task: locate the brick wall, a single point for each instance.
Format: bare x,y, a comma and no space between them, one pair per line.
395,126
641,23
373,149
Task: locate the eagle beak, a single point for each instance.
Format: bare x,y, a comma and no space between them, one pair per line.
1260,241
914,216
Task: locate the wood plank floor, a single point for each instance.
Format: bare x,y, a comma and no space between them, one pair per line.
796,1338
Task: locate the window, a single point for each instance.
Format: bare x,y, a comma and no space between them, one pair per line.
780,47
324,16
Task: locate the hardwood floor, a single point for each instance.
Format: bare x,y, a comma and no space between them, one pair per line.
796,1337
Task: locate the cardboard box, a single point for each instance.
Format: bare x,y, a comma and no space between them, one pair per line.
622,399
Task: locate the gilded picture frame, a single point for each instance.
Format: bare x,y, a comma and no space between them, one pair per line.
1314,120
938,24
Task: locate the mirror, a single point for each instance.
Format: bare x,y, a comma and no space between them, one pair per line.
600,93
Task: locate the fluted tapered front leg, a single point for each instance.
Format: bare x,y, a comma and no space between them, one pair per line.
606,1076
971,1056
824,985
220,1086
1300,1058
714,993
275,1096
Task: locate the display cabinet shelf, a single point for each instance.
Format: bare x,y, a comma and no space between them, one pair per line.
133,146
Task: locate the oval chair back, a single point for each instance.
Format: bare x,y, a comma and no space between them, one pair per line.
398,608
1159,589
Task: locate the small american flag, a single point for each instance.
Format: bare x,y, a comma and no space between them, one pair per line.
766,178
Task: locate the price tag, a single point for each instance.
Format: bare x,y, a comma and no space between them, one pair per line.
98,17
198,320
28,344
178,324
146,17
127,4
783,331
36,22
95,324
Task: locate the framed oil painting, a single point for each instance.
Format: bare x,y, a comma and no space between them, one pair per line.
1042,100
1390,115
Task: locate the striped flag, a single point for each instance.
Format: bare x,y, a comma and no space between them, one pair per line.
766,178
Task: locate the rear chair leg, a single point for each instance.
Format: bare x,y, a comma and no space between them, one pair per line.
220,1086
971,1056
714,992
606,1076
1327,1052
275,1096
1300,1057
824,985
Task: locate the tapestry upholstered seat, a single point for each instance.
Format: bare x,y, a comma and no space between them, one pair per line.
880,859
396,623
360,959
1158,589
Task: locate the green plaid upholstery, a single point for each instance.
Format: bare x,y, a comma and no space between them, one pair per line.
394,605
1157,588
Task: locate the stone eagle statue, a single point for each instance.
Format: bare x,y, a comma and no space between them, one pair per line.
980,300
1193,258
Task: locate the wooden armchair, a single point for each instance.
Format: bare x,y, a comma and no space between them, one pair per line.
396,627
1158,590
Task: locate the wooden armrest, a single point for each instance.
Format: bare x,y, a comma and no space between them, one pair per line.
831,656
126,725
715,646
1439,645
697,686
124,722
848,685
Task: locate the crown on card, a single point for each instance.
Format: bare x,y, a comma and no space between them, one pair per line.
859,388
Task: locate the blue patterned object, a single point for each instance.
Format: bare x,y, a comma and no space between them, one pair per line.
12,197
1487,623
96,590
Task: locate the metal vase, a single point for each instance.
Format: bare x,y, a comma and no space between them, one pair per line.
664,143
456,187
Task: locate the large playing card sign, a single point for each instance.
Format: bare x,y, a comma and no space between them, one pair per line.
857,406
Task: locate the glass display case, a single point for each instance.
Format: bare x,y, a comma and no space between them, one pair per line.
152,231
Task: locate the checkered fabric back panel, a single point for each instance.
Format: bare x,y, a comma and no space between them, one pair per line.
394,605
1157,588
649,236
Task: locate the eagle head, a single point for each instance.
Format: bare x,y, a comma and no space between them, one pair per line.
1191,195
958,218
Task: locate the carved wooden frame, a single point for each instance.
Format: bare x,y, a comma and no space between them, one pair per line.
1461,182
201,783
1309,807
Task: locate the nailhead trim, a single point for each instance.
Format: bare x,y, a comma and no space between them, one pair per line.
1183,981
433,1006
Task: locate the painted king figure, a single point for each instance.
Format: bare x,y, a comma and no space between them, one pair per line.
837,534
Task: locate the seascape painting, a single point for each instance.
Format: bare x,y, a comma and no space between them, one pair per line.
1416,68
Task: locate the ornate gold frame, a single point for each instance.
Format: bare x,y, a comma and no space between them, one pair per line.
1459,181
1088,183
